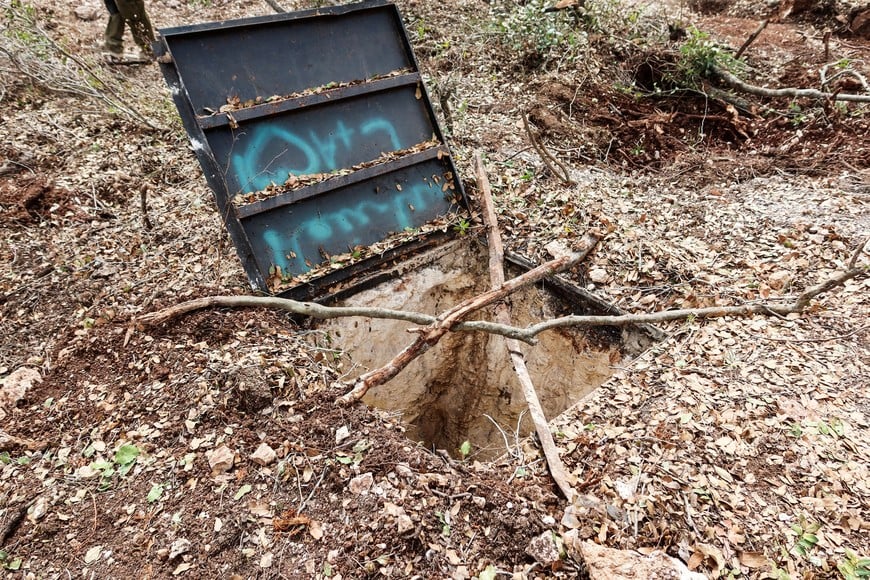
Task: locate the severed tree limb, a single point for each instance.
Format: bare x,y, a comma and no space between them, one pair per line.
752,37
527,334
445,322
791,93
275,6
546,156
503,315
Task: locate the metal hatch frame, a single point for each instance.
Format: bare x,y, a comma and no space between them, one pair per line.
278,83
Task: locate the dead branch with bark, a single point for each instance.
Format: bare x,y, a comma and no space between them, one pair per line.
792,93
527,334
503,316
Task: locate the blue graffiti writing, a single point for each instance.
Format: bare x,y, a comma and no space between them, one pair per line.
258,166
316,229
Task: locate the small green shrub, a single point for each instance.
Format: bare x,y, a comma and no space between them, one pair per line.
700,57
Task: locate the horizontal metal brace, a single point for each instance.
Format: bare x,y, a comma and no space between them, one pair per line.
326,96
338,181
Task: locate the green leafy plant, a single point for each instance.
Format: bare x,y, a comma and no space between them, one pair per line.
699,59
806,537
156,493
445,523
527,30
359,450
8,562
854,567
123,461
463,226
833,428
465,449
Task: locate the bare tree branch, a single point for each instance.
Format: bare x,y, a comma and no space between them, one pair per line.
315,310
429,336
752,37
791,93
275,6
546,156
502,315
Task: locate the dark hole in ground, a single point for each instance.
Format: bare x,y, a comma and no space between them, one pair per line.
465,388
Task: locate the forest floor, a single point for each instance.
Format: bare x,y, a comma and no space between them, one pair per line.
212,446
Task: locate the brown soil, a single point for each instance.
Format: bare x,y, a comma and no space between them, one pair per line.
712,446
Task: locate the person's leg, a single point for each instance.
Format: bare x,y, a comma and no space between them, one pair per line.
113,39
134,13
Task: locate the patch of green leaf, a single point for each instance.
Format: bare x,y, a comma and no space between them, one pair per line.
156,493
806,536
853,567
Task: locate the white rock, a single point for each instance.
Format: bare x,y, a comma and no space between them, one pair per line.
598,275
87,12
38,510
543,549
264,455
605,563
341,434
179,547
15,386
93,554
404,523
361,484
220,459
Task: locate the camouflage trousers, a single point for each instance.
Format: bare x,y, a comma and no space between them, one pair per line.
128,13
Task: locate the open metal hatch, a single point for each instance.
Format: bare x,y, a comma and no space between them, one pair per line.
318,139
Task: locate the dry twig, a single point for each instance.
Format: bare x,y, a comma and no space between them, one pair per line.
792,93
751,39
502,315
546,156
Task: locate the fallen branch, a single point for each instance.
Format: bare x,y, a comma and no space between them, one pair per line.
315,310
527,334
276,7
502,315
751,39
445,322
825,80
791,93
546,156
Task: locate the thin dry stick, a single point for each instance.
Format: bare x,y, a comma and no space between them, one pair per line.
143,205
791,93
314,310
527,334
751,39
503,315
275,6
445,322
546,156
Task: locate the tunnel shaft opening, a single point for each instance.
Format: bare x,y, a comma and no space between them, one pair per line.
465,388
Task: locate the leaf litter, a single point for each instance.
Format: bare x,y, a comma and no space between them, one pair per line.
737,446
